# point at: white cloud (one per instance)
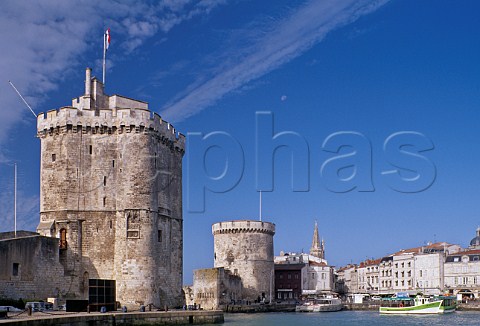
(43, 40)
(282, 41)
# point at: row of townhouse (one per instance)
(433, 269)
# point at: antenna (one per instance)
(260, 209)
(16, 90)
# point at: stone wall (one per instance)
(37, 273)
(214, 288)
(246, 249)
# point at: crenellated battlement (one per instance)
(96, 112)
(71, 119)
(243, 226)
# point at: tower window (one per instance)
(54, 157)
(91, 149)
(159, 235)
(16, 268)
(104, 181)
(113, 163)
(63, 239)
(104, 201)
(111, 224)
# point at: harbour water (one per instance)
(340, 318)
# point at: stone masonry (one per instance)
(111, 191)
(246, 249)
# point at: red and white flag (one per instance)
(107, 38)
(106, 43)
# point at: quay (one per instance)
(117, 318)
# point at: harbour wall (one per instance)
(138, 319)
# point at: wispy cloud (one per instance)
(43, 40)
(281, 42)
(28, 207)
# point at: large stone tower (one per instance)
(246, 249)
(111, 190)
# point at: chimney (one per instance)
(88, 81)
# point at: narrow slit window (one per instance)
(54, 157)
(104, 181)
(16, 267)
(113, 163)
(104, 201)
(91, 149)
(159, 235)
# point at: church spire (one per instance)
(317, 248)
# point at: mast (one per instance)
(15, 199)
(260, 208)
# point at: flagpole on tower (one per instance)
(106, 43)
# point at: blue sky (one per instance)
(375, 68)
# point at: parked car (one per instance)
(9, 309)
(36, 305)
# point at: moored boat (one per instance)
(320, 305)
(418, 305)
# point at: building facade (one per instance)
(419, 269)
(288, 281)
(462, 273)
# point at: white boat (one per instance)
(419, 305)
(320, 305)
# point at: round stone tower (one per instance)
(111, 190)
(246, 249)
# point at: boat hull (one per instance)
(428, 308)
(320, 307)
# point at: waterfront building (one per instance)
(419, 269)
(429, 273)
(385, 275)
(288, 281)
(371, 271)
(346, 281)
(111, 195)
(316, 275)
(462, 273)
(403, 276)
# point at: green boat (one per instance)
(418, 305)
